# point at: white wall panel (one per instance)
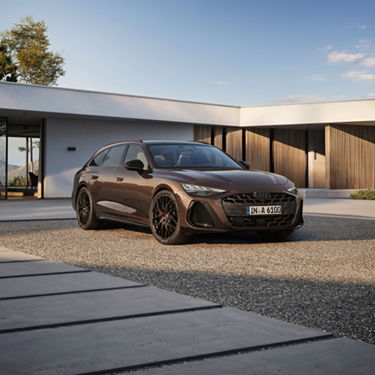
(87, 136)
(310, 113)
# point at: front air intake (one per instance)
(198, 215)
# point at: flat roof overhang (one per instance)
(48, 102)
(61, 102)
(359, 112)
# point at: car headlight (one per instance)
(292, 190)
(202, 191)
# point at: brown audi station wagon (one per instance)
(180, 188)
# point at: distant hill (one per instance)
(11, 167)
(21, 171)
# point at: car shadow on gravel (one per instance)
(340, 308)
(316, 228)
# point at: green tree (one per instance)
(8, 70)
(27, 46)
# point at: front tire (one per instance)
(165, 219)
(85, 210)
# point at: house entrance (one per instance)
(20, 156)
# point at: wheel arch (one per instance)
(160, 188)
(80, 186)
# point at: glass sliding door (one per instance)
(3, 158)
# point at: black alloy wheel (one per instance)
(85, 211)
(165, 219)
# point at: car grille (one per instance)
(235, 209)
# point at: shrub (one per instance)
(368, 194)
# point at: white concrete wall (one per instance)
(87, 136)
(310, 113)
(43, 99)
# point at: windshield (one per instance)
(190, 156)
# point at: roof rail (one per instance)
(123, 140)
(133, 140)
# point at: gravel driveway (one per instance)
(323, 277)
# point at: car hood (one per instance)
(239, 180)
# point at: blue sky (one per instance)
(229, 52)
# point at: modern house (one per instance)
(317, 145)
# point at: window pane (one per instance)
(136, 152)
(97, 161)
(22, 149)
(114, 157)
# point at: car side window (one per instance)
(114, 157)
(97, 161)
(136, 152)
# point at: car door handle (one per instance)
(94, 176)
(119, 179)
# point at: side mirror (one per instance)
(135, 165)
(245, 164)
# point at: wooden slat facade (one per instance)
(317, 158)
(257, 151)
(289, 155)
(350, 157)
(202, 133)
(218, 136)
(346, 162)
(234, 143)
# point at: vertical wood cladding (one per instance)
(202, 133)
(350, 156)
(289, 155)
(218, 136)
(257, 151)
(234, 143)
(317, 158)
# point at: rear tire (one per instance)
(275, 236)
(85, 210)
(165, 219)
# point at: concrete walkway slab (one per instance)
(16, 256)
(36, 209)
(74, 331)
(120, 344)
(55, 284)
(330, 357)
(21, 314)
(21, 269)
(342, 207)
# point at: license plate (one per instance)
(263, 210)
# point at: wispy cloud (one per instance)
(368, 62)
(325, 49)
(363, 44)
(220, 83)
(337, 56)
(356, 75)
(362, 27)
(317, 77)
(293, 99)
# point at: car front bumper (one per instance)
(228, 212)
